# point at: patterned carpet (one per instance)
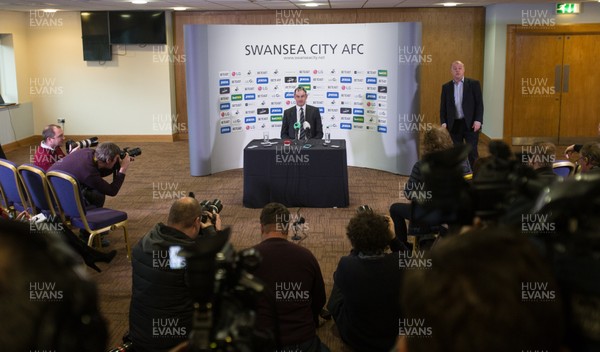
(162, 173)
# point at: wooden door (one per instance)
(552, 84)
(580, 91)
(536, 104)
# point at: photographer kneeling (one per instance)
(161, 310)
(90, 166)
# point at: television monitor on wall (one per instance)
(137, 27)
(95, 36)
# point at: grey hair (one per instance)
(107, 151)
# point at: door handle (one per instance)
(565, 85)
(557, 74)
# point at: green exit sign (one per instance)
(567, 8)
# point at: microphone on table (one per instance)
(306, 126)
(297, 128)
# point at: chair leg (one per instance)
(127, 246)
(414, 240)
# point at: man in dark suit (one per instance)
(308, 116)
(461, 109)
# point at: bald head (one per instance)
(184, 212)
(458, 70)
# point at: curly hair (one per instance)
(368, 232)
(437, 139)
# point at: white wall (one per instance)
(119, 97)
(16, 122)
(497, 18)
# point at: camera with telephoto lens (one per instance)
(133, 152)
(212, 207)
(225, 295)
(86, 143)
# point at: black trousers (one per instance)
(2, 155)
(461, 133)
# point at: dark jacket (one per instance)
(294, 285)
(311, 115)
(369, 316)
(161, 309)
(82, 165)
(472, 103)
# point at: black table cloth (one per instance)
(296, 176)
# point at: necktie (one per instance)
(302, 133)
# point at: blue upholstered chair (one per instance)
(12, 192)
(563, 168)
(37, 189)
(67, 192)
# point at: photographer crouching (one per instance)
(90, 166)
(162, 305)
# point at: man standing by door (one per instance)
(461, 109)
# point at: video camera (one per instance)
(86, 143)
(133, 152)
(501, 190)
(508, 193)
(224, 294)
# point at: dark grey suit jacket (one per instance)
(311, 114)
(472, 103)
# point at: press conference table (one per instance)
(295, 176)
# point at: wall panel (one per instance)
(448, 35)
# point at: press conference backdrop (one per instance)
(240, 79)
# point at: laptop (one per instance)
(2, 103)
